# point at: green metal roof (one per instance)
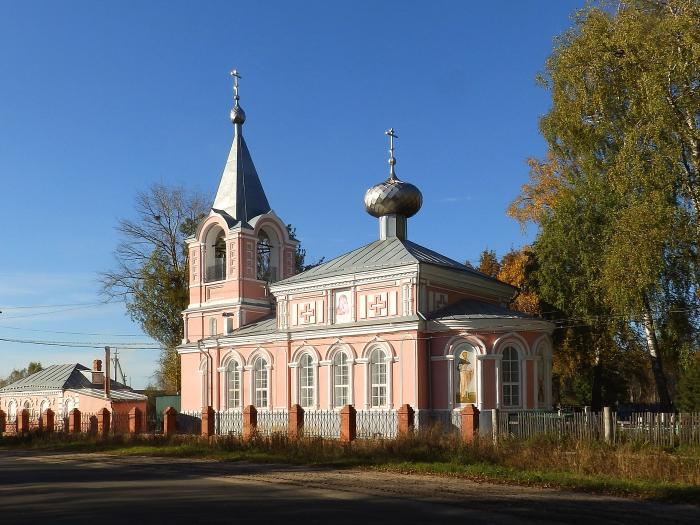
(378, 255)
(54, 377)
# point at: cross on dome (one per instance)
(392, 160)
(236, 75)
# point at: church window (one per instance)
(212, 326)
(264, 267)
(233, 384)
(510, 366)
(12, 411)
(306, 381)
(261, 386)
(341, 379)
(378, 377)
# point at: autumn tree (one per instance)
(624, 139)
(151, 269)
(17, 374)
(488, 263)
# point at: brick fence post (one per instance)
(23, 422)
(103, 420)
(469, 419)
(406, 419)
(250, 421)
(74, 421)
(348, 424)
(208, 419)
(48, 420)
(296, 422)
(3, 422)
(135, 420)
(169, 421)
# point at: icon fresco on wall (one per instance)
(342, 307)
(466, 393)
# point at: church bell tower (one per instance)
(238, 249)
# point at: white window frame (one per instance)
(260, 373)
(333, 378)
(233, 367)
(213, 326)
(384, 361)
(12, 410)
(513, 386)
(307, 393)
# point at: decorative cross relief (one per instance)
(308, 314)
(378, 306)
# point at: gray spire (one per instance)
(240, 192)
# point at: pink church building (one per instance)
(386, 324)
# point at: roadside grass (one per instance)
(631, 469)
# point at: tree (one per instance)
(623, 134)
(688, 397)
(300, 255)
(488, 263)
(17, 374)
(517, 269)
(151, 273)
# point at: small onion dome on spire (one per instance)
(237, 113)
(393, 196)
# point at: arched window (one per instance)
(68, 405)
(260, 383)
(268, 263)
(44, 406)
(306, 381)
(465, 375)
(341, 379)
(378, 378)
(28, 404)
(233, 385)
(510, 366)
(215, 255)
(12, 411)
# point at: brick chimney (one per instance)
(98, 376)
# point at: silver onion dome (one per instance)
(393, 197)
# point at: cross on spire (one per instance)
(392, 160)
(236, 75)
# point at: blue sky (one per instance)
(100, 99)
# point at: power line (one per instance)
(24, 307)
(55, 311)
(67, 333)
(84, 344)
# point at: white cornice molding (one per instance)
(492, 324)
(345, 280)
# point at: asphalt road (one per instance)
(102, 489)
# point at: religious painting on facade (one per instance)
(466, 377)
(342, 307)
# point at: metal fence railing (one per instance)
(272, 422)
(228, 423)
(322, 423)
(444, 420)
(524, 424)
(377, 424)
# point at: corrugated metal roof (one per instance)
(378, 255)
(264, 326)
(72, 376)
(473, 309)
(114, 395)
(53, 377)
